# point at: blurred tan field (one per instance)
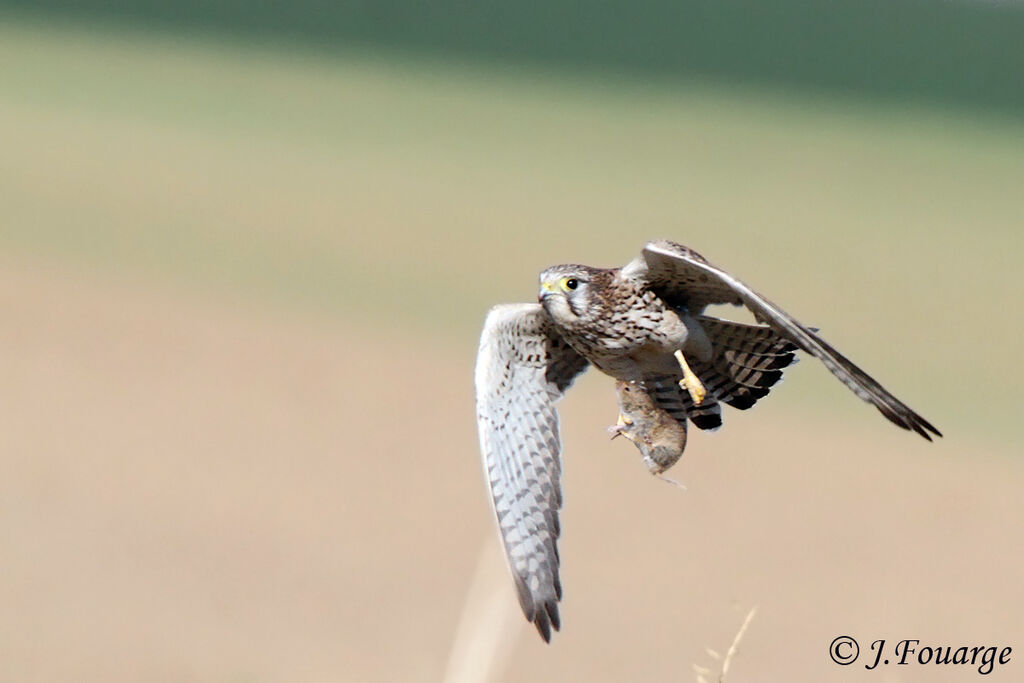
(241, 289)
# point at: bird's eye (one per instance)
(571, 283)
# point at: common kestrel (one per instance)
(642, 324)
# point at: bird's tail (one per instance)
(747, 361)
(674, 400)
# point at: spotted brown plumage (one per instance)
(628, 322)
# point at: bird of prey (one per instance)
(642, 324)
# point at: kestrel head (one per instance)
(569, 292)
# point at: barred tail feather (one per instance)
(675, 400)
(748, 361)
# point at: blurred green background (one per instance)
(965, 53)
(369, 159)
(379, 174)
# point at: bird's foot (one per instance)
(690, 381)
(619, 428)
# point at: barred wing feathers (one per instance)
(683, 277)
(523, 368)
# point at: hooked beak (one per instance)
(546, 290)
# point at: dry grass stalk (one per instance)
(704, 672)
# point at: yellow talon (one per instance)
(690, 382)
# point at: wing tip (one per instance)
(546, 618)
(923, 426)
(541, 610)
(911, 421)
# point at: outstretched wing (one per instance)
(683, 277)
(522, 369)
